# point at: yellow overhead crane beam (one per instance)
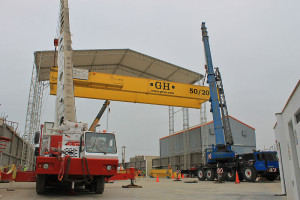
(94, 85)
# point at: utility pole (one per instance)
(123, 156)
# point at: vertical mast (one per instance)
(65, 101)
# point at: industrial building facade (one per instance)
(175, 149)
(287, 132)
(143, 163)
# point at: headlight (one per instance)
(46, 166)
(108, 167)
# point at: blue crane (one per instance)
(221, 151)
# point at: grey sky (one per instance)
(255, 43)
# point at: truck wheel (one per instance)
(249, 174)
(221, 176)
(40, 183)
(230, 176)
(210, 174)
(201, 174)
(99, 185)
(271, 177)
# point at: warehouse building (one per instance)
(185, 149)
(143, 163)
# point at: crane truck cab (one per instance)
(76, 157)
(259, 164)
(98, 145)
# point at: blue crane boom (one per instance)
(221, 151)
(211, 80)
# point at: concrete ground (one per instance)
(165, 189)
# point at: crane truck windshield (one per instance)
(100, 143)
(268, 156)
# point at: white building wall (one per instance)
(287, 133)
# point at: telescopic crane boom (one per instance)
(97, 119)
(222, 149)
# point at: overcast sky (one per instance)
(255, 43)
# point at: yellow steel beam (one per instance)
(137, 90)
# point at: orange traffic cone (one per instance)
(172, 176)
(237, 180)
(157, 179)
(182, 176)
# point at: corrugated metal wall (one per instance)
(201, 138)
(12, 154)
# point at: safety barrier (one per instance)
(161, 173)
(8, 173)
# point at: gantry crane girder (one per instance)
(94, 85)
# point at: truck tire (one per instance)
(221, 177)
(271, 177)
(230, 176)
(37, 137)
(99, 184)
(210, 174)
(201, 174)
(249, 174)
(40, 183)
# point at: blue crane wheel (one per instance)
(230, 176)
(210, 174)
(249, 174)
(201, 174)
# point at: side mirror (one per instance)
(36, 151)
(37, 137)
(81, 146)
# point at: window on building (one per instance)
(244, 133)
(297, 115)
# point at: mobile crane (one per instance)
(69, 153)
(222, 149)
(221, 161)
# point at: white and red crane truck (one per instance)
(75, 156)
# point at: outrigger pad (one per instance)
(131, 185)
(193, 181)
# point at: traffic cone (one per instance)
(182, 176)
(237, 180)
(157, 179)
(173, 176)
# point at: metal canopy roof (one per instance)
(118, 61)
